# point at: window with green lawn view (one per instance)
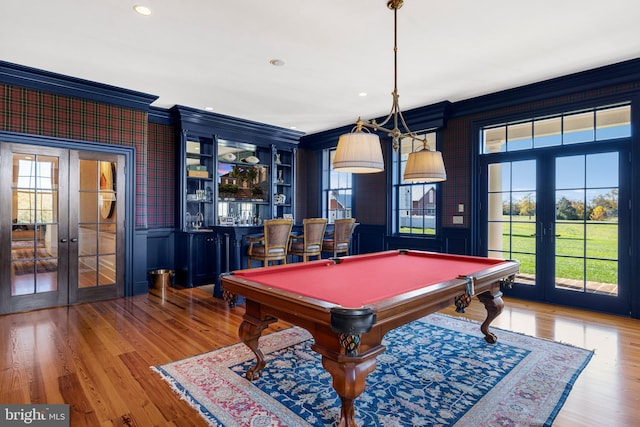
(415, 204)
(336, 190)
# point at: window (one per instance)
(336, 190)
(415, 206)
(593, 125)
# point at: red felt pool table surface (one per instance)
(366, 279)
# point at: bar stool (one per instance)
(273, 245)
(340, 241)
(309, 244)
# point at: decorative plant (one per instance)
(257, 192)
(246, 174)
(227, 188)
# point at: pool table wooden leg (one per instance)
(250, 331)
(349, 382)
(493, 304)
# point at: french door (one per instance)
(564, 215)
(60, 227)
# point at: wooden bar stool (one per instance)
(340, 241)
(309, 244)
(273, 245)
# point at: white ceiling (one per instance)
(216, 53)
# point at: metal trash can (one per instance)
(161, 279)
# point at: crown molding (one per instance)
(31, 78)
(234, 128)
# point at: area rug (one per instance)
(436, 371)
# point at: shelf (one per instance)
(190, 155)
(230, 199)
(199, 201)
(243, 164)
(197, 178)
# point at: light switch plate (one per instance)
(458, 219)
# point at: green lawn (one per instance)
(597, 241)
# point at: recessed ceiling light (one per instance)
(208, 108)
(362, 94)
(277, 62)
(142, 10)
(293, 128)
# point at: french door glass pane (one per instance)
(512, 215)
(97, 228)
(586, 225)
(34, 235)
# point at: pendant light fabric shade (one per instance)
(359, 152)
(425, 166)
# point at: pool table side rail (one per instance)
(281, 303)
(390, 313)
(396, 311)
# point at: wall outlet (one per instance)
(458, 219)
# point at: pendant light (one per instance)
(360, 152)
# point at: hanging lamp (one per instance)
(360, 151)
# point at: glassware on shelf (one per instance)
(280, 178)
(198, 221)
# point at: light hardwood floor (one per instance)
(96, 356)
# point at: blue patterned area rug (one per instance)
(437, 371)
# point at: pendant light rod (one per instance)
(395, 113)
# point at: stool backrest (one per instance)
(276, 234)
(313, 229)
(343, 229)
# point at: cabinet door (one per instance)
(195, 193)
(284, 183)
(202, 260)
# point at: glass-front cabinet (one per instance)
(199, 174)
(283, 183)
(232, 174)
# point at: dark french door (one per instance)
(60, 226)
(564, 214)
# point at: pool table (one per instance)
(348, 304)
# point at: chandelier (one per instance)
(360, 152)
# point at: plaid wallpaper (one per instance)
(161, 176)
(370, 202)
(34, 112)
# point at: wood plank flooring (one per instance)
(96, 356)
